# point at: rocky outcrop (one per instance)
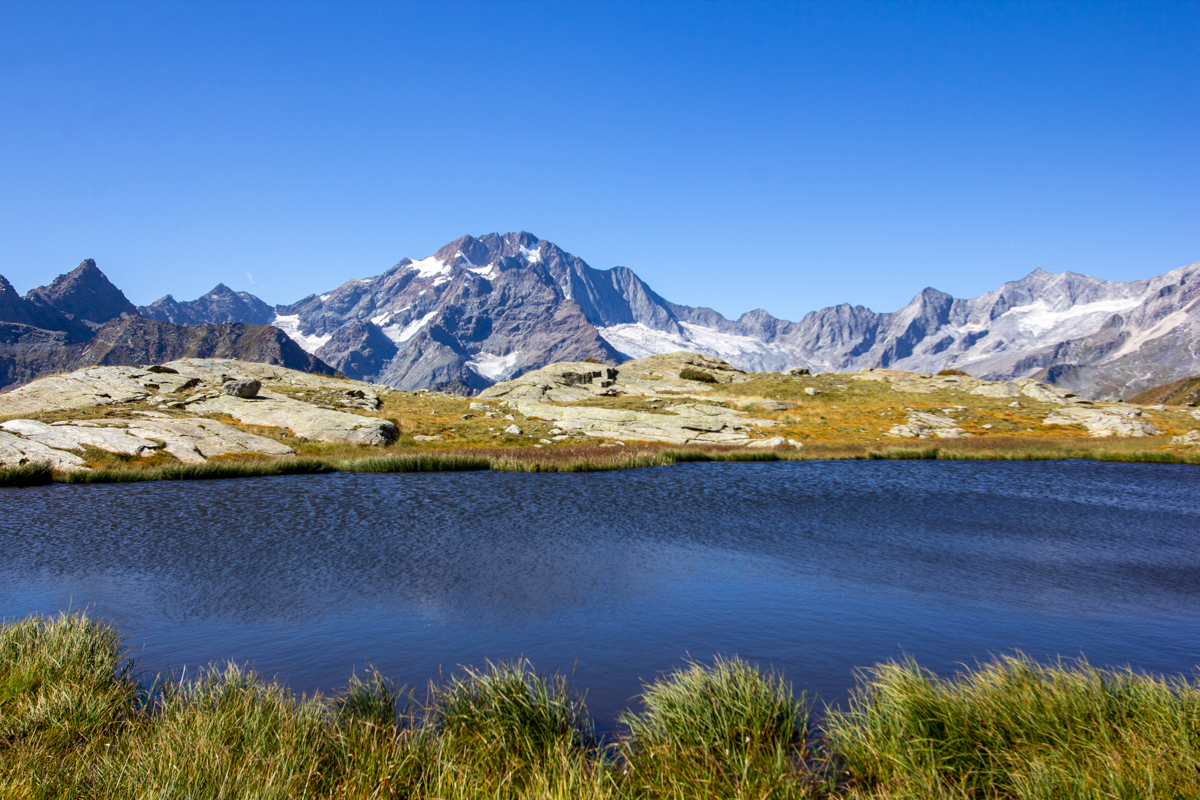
(645, 377)
(1112, 420)
(923, 425)
(196, 386)
(541, 393)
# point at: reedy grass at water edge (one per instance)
(591, 459)
(75, 724)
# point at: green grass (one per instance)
(209, 470)
(1016, 729)
(74, 723)
(419, 462)
(592, 458)
(35, 474)
(728, 730)
(699, 375)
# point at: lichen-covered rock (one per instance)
(1189, 438)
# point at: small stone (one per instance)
(479, 407)
(988, 427)
(244, 388)
(555, 431)
(545, 441)
(509, 417)
(513, 429)
(811, 391)
(1015, 404)
(424, 438)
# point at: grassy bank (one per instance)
(75, 722)
(593, 458)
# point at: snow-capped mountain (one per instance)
(482, 310)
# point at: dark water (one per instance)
(816, 568)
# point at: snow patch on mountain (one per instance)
(494, 367)
(1039, 317)
(532, 256)
(430, 267)
(400, 334)
(638, 340)
(290, 324)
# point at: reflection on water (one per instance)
(615, 577)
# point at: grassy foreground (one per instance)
(76, 723)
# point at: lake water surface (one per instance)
(816, 568)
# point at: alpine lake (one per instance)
(815, 568)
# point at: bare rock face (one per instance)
(84, 294)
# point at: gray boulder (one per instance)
(242, 387)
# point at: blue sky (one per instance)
(735, 155)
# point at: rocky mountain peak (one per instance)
(84, 294)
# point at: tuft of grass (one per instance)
(209, 470)
(500, 727)
(420, 462)
(689, 374)
(728, 730)
(1015, 729)
(904, 454)
(65, 692)
(35, 474)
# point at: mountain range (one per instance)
(487, 309)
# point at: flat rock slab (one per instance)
(17, 450)
(195, 440)
(693, 423)
(75, 437)
(302, 419)
(188, 440)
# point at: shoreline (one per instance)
(600, 458)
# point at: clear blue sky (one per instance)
(735, 155)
